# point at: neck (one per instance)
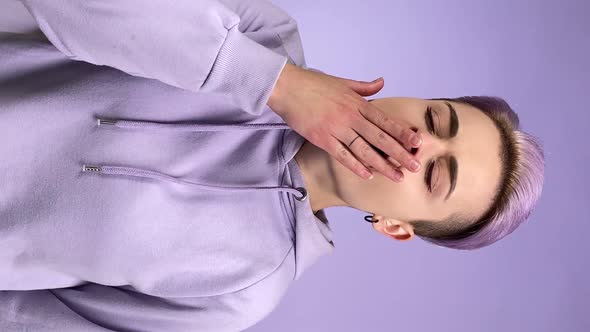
(319, 181)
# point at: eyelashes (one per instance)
(429, 171)
(429, 119)
(430, 168)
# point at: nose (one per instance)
(431, 146)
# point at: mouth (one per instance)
(381, 153)
(385, 156)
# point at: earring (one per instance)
(367, 217)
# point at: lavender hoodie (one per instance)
(145, 183)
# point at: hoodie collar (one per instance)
(313, 233)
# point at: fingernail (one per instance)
(416, 140)
(379, 79)
(398, 175)
(414, 165)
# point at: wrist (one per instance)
(276, 96)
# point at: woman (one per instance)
(482, 178)
(150, 191)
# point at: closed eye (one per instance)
(428, 118)
(428, 173)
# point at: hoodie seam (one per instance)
(290, 217)
(280, 177)
(273, 271)
(261, 279)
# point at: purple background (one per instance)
(534, 54)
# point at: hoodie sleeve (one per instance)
(98, 308)
(197, 45)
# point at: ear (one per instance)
(393, 228)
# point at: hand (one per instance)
(330, 113)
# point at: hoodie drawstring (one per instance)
(139, 172)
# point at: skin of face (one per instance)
(476, 147)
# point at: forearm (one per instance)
(193, 45)
(280, 88)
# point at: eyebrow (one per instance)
(453, 168)
(454, 119)
(452, 161)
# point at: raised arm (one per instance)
(198, 45)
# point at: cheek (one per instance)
(408, 192)
(404, 200)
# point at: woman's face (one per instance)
(474, 149)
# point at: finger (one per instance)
(369, 156)
(405, 143)
(363, 88)
(376, 130)
(401, 132)
(394, 149)
(407, 136)
(341, 153)
(393, 161)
